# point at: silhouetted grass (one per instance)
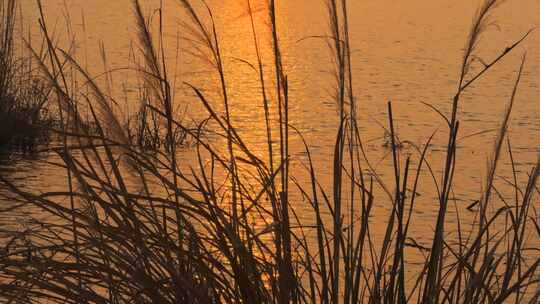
(206, 233)
(23, 95)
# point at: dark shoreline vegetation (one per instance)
(212, 235)
(23, 96)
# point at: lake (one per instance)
(407, 52)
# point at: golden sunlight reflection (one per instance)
(412, 60)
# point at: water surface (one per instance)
(407, 52)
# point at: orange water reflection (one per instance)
(406, 52)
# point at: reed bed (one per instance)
(206, 233)
(23, 96)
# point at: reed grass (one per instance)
(208, 234)
(23, 96)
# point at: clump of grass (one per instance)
(23, 96)
(206, 233)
